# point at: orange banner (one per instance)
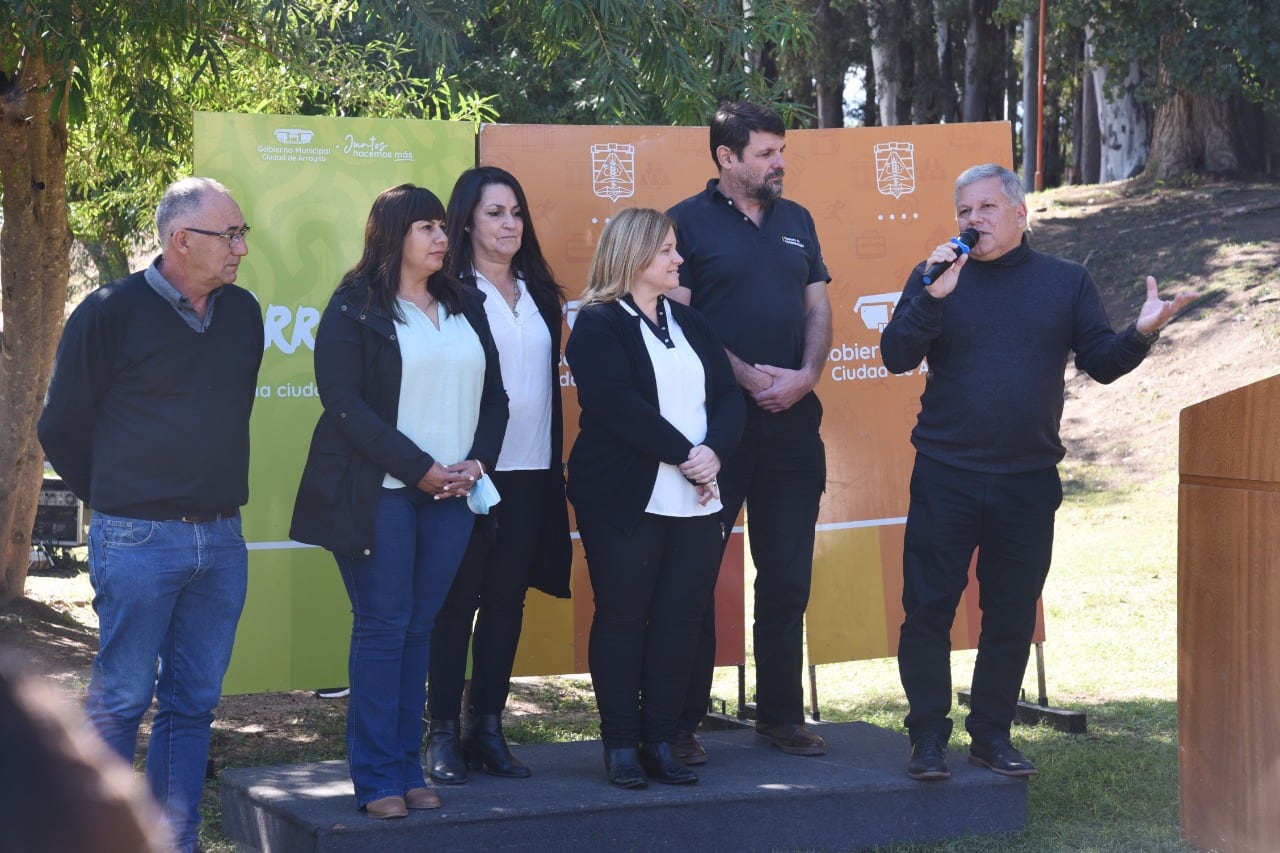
(882, 199)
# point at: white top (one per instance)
(441, 380)
(524, 350)
(682, 401)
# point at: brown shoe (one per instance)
(421, 798)
(689, 748)
(791, 738)
(385, 808)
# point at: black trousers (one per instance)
(1009, 519)
(779, 471)
(651, 584)
(489, 590)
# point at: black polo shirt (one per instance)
(748, 281)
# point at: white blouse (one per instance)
(524, 350)
(682, 401)
(441, 381)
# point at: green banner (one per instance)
(305, 185)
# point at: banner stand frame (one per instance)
(1062, 719)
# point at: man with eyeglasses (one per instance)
(147, 421)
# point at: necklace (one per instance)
(515, 303)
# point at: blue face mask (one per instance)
(484, 494)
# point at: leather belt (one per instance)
(204, 517)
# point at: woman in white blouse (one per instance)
(660, 409)
(414, 414)
(524, 541)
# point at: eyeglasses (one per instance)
(232, 237)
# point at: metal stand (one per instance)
(813, 692)
(719, 719)
(1072, 722)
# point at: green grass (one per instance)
(1110, 652)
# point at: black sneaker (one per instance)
(999, 756)
(929, 759)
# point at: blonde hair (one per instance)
(629, 243)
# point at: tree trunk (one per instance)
(1053, 167)
(36, 245)
(1123, 126)
(109, 256)
(829, 72)
(871, 107)
(887, 35)
(830, 105)
(1011, 75)
(1089, 134)
(1030, 98)
(1199, 133)
(928, 94)
(981, 44)
(947, 79)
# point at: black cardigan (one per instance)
(553, 568)
(622, 435)
(356, 443)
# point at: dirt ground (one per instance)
(1221, 239)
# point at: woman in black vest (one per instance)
(524, 542)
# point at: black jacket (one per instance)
(356, 443)
(622, 435)
(552, 570)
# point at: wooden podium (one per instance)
(1229, 620)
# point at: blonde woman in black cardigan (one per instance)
(660, 409)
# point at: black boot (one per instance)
(446, 762)
(486, 747)
(622, 767)
(660, 762)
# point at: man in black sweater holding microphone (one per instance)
(996, 324)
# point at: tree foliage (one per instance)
(317, 61)
(603, 61)
(96, 101)
(1202, 47)
(1207, 69)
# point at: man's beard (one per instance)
(769, 189)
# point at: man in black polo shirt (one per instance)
(147, 421)
(753, 267)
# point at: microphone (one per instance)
(967, 239)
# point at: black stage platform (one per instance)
(749, 797)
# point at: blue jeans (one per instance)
(395, 594)
(168, 595)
